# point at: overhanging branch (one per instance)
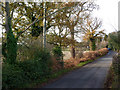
(37, 20)
(2, 24)
(17, 19)
(13, 10)
(1, 13)
(2, 6)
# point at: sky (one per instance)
(108, 13)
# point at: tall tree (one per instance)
(11, 39)
(91, 32)
(10, 52)
(59, 32)
(72, 17)
(75, 16)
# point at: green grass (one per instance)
(84, 63)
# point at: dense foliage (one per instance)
(57, 52)
(25, 61)
(90, 55)
(24, 72)
(113, 78)
(114, 40)
(116, 71)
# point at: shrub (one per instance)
(57, 52)
(116, 64)
(55, 65)
(27, 71)
(38, 67)
(79, 54)
(113, 78)
(103, 51)
(70, 63)
(83, 59)
(12, 76)
(27, 51)
(90, 55)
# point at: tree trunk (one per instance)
(92, 45)
(73, 52)
(11, 48)
(72, 44)
(11, 44)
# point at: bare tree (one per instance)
(75, 16)
(91, 32)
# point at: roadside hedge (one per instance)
(90, 55)
(25, 72)
(113, 77)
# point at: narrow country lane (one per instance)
(89, 76)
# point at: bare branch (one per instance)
(2, 24)
(37, 20)
(97, 25)
(77, 18)
(2, 14)
(12, 13)
(13, 10)
(17, 20)
(114, 28)
(2, 6)
(52, 43)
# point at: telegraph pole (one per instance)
(44, 25)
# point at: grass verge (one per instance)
(84, 63)
(112, 80)
(109, 78)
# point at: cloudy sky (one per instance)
(108, 13)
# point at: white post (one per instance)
(44, 25)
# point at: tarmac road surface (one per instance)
(92, 75)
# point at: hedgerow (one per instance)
(24, 72)
(91, 55)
